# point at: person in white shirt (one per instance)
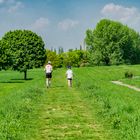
(69, 74)
(48, 69)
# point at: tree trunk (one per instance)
(25, 75)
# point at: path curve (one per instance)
(126, 85)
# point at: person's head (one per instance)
(69, 67)
(49, 62)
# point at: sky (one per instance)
(63, 23)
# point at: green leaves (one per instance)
(25, 49)
(74, 58)
(113, 43)
(5, 57)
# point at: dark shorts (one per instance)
(48, 75)
(69, 78)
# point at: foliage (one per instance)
(5, 58)
(128, 74)
(56, 60)
(89, 39)
(113, 43)
(74, 58)
(26, 49)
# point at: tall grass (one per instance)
(117, 107)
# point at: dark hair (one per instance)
(69, 67)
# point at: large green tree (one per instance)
(89, 39)
(113, 43)
(26, 50)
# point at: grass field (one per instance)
(19, 103)
(93, 109)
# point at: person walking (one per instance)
(69, 75)
(48, 70)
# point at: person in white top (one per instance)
(69, 74)
(48, 70)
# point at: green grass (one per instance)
(65, 116)
(93, 109)
(117, 107)
(18, 104)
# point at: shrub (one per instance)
(128, 74)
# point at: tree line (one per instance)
(110, 43)
(75, 58)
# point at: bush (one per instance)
(128, 74)
(84, 64)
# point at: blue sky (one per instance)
(63, 23)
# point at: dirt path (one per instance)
(126, 85)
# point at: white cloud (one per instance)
(67, 24)
(15, 7)
(40, 24)
(127, 15)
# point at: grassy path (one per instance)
(65, 116)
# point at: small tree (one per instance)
(74, 58)
(54, 58)
(26, 50)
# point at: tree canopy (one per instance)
(5, 58)
(74, 58)
(25, 49)
(113, 43)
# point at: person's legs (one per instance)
(47, 82)
(48, 79)
(69, 82)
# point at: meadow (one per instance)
(19, 102)
(93, 109)
(116, 107)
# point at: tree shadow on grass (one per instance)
(21, 79)
(18, 80)
(11, 82)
